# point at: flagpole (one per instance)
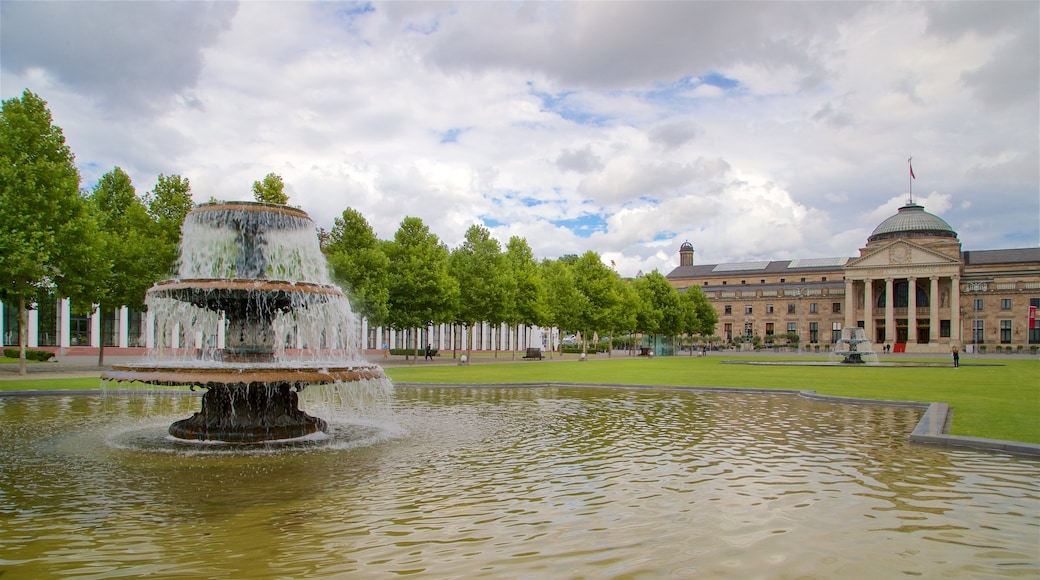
(910, 163)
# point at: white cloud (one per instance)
(753, 130)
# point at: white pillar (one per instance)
(868, 309)
(364, 334)
(65, 323)
(95, 327)
(955, 309)
(890, 311)
(1, 324)
(149, 330)
(850, 303)
(124, 327)
(911, 311)
(33, 328)
(933, 311)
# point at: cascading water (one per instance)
(854, 347)
(253, 318)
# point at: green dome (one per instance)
(912, 221)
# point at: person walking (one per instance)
(429, 352)
(956, 357)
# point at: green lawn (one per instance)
(997, 402)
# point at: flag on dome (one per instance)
(910, 161)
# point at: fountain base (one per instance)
(248, 413)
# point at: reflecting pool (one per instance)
(484, 482)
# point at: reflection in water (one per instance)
(512, 482)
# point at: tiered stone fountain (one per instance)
(854, 347)
(252, 318)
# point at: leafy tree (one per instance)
(126, 248)
(528, 303)
(47, 233)
(168, 202)
(270, 190)
(564, 303)
(662, 311)
(597, 283)
(623, 318)
(485, 288)
(704, 318)
(359, 264)
(421, 290)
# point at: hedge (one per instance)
(30, 354)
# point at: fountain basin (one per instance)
(242, 374)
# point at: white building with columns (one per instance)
(912, 288)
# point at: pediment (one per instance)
(901, 253)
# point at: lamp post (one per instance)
(975, 288)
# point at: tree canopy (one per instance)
(270, 190)
(359, 265)
(47, 233)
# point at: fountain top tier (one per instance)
(250, 241)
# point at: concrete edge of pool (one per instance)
(932, 429)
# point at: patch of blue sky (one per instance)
(583, 226)
(562, 105)
(348, 13)
(664, 236)
(685, 87)
(451, 135)
(490, 222)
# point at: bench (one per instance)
(534, 353)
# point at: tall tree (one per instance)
(168, 202)
(704, 317)
(623, 317)
(270, 190)
(359, 264)
(126, 249)
(421, 291)
(46, 230)
(662, 311)
(528, 303)
(596, 282)
(564, 303)
(479, 268)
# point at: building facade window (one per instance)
(944, 329)
(1005, 304)
(835, 332)
(814, 332)
(769, 329)
(978, 304)
(813, 308)
(792, 327)
(728, 309)
(791, 308)
(1034, 321)
(978, 328)
(836, 307)
(747, 309)
(728, 331)
(1005, 332)
(769, 308)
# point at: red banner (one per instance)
(1033, 322)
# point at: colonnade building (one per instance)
(912, 288)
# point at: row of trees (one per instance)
(107, 246)
(414, 280)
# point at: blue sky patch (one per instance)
(583, 226)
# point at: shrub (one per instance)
(411, 351)
(30, 354)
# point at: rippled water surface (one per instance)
(512, 483)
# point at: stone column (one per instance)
(890, 311)
(955, 309)
(911, 310)
(933, 311)
(124, 327)
(850, 303)
(868, 309)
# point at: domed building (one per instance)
(912, 288)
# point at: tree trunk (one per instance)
(23, 334)
(101, 345)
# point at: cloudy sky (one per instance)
(754, 130)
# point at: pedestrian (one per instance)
(429, 352)
(386, 350)
(956, 357)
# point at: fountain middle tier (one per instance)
(209, 374)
